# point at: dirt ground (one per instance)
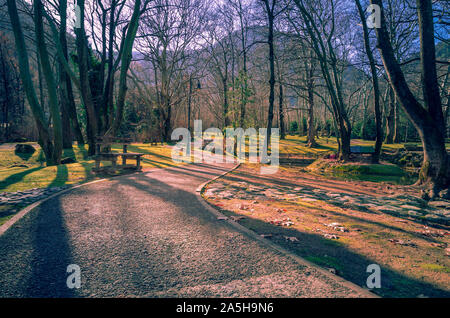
(345, 225)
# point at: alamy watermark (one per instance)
(374, 279)
(374, 19)
(235, 139)
(74, 279)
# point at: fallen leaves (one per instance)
(329, 236)
(237, 218)
(440, 245)
(430, 233)
(403, 243)
(337, 227)
(283, 222)
(291, 239)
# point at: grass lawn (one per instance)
(383, 172)
(296, 145)
(26, 172)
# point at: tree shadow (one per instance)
(62, 175)
(83, 151)
(36, 254)
(333, 187)
(17, 177)
(51, 253)
(23, 156)
(350, 265)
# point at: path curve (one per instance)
(148, 235)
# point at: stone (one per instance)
(308, 199)
(410, 207)
(67, 160)
(414, 213)
(331, 236)
(332, 271)
(440, 204)
(24, 148)
(445, 194)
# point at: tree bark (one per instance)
(428, 121)
(49, 80)
(311, 134)
(270, 18)
(42, 126)
(376, 86)
(281, 113)
(390, 119)
(127, 55)
(63, 94)
(85, 88)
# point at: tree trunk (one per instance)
(42, 126)
(127, 55)
(270, 17)
(226, 120)
(376, 86)
(281, 114)
(62, 88)
(390, 119)
(244, 88)
(188, 124)
(311, 141)
(428, 121)
(49, 80)
(85, 88)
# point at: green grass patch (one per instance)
(435, 268)
(37, 175)
(325, 261)
(363, 172)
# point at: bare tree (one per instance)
(375, 83)
(52, 148)
(427, 118)
(320, 22)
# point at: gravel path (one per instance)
(147, 235)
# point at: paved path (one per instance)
(147, 235)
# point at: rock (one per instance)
(424, 195)
(403, 243)
(414, 213)
(444, 194)
(440, 204)
(410, 207)
(67, 160)
(308, 199)
(332, 271)
(243, 207)
(337, 227)
(19, 166)
(439, 245)
(237, 218)
(24, 148)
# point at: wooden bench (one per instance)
(103, 153)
